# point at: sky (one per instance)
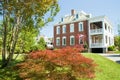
(109, 8)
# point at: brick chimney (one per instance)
(72, 12)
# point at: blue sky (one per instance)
(110, 8)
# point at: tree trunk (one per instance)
(4, 45)
(7, 60)
(4, 38)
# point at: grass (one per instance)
(117, 52)
(106, 69)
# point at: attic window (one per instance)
(62, 19)
(77, 16)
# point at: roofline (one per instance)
(103, 16)
(63, 23)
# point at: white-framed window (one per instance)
(80, 40)
(105, 26)
(72, 40)
(58, 30)
(71, 27)
(64, 41)
(58, 41)
(62, 19)
(81, 26)
(64, 29)
(77, 16)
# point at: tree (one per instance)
(41, 44)
(117, 42)
(26, 40)
(19, 15)
(61, 64)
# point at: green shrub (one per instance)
(111, 48)
(41, 44)
(61, 64)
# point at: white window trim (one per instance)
(70, 40)
(58, 42)
(80, 27)
(63, 29)
(57, 30)
(71, 27)
(63, 41)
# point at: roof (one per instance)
(78, 16)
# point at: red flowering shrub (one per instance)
(61, 64)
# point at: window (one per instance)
(81, 26)
(71, 27)
(106, 39)
(105, 26)
(62, 19)
(77, 16)
(109, 28)
(58, 41)
(58, 30)
(64, 41)
(80, 40)
(72, 40)
(109, 41)
(64, 29)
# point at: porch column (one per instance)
(103, 26)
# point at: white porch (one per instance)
(96, 41)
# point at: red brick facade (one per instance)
(68, 34)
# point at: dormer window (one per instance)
(62, 19)
(77, 16)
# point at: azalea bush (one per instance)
(61, 64)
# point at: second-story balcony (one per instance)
(96, 31)
(96, 28)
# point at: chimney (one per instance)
(72, 12)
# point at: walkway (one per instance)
(113, 57)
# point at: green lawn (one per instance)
(117, 52)
(106, 69)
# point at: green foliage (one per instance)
(117, 42)
(9, 73)
(41, 44)
(0, 45)
(111, 48)
(22, 19)
(26, 41)
(61, 64)
(85, 47)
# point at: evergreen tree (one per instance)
(41, 44)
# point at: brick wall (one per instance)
(68, 34)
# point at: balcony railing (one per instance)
(96, 44)
(95, 31)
